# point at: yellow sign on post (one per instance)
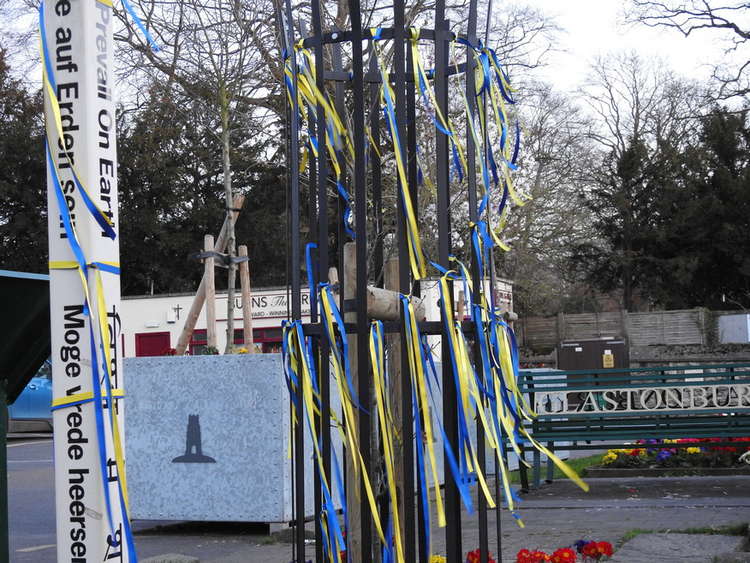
(608, 359)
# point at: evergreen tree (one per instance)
(673, 223)
(23, 187)
(171, 195)
(622, 204)
(717, 219)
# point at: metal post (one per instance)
(450, 416)
(478, 283)
(296, 297)
(4, 549)
(319, 199)
(360, 200)
(406, 119)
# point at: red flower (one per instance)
(526, 556)
(475, 557)
(590, 550)
(604, 548)
(564, 555)
(635, 452)
(523, 556)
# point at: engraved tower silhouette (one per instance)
(193, 441)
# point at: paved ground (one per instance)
(685, 548)
(555, 515)
(31, 503)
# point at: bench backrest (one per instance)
(664, 402)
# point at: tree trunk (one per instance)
(229, 198)
(393, 342)
(353, 497)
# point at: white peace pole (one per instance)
(79, 58)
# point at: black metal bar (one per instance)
(498, 511)
(296, 297)
(522, 470)
(337, 63)
(360, 199)
(425, 327)
(376, 176)
(450, 417)
(320, 345)
(407, 415)
(4, 516)
(313, 221)
(407, 119)
(411, 171)
(312, 218)
(478, 283)
(399, 79)
(411, 143)
(376, 186)
(386, 33)
(374, 77)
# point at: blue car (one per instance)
(31, 410)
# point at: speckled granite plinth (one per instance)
(207, 438)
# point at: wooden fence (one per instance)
(688, 326)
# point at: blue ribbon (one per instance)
(461, 484)
(517, 147)
(154, 46)
(90, 205)
(343, 352)
(45, 50)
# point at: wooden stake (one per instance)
(393, 345)
(247, 302)
(382, 304)
(333, 275)
(200, 294)
(460, 306)
(208, 275)
(353, 500)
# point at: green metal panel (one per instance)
(635, 425)
(25, 331)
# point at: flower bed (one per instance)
(687, 453)
(589, 551)
(683, 457)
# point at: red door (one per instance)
(152, 344)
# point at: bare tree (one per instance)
(220, 53)
(688, 17)
(557, 152)
(643, 115)
(632, 98)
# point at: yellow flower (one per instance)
(241, 351)
(670, 441)
(693, 450)
(438, 559)
(609, 457)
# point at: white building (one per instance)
(151, 324)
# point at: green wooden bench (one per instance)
(619, 406)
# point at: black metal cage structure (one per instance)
(343, 110)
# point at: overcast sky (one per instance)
(595, 27)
